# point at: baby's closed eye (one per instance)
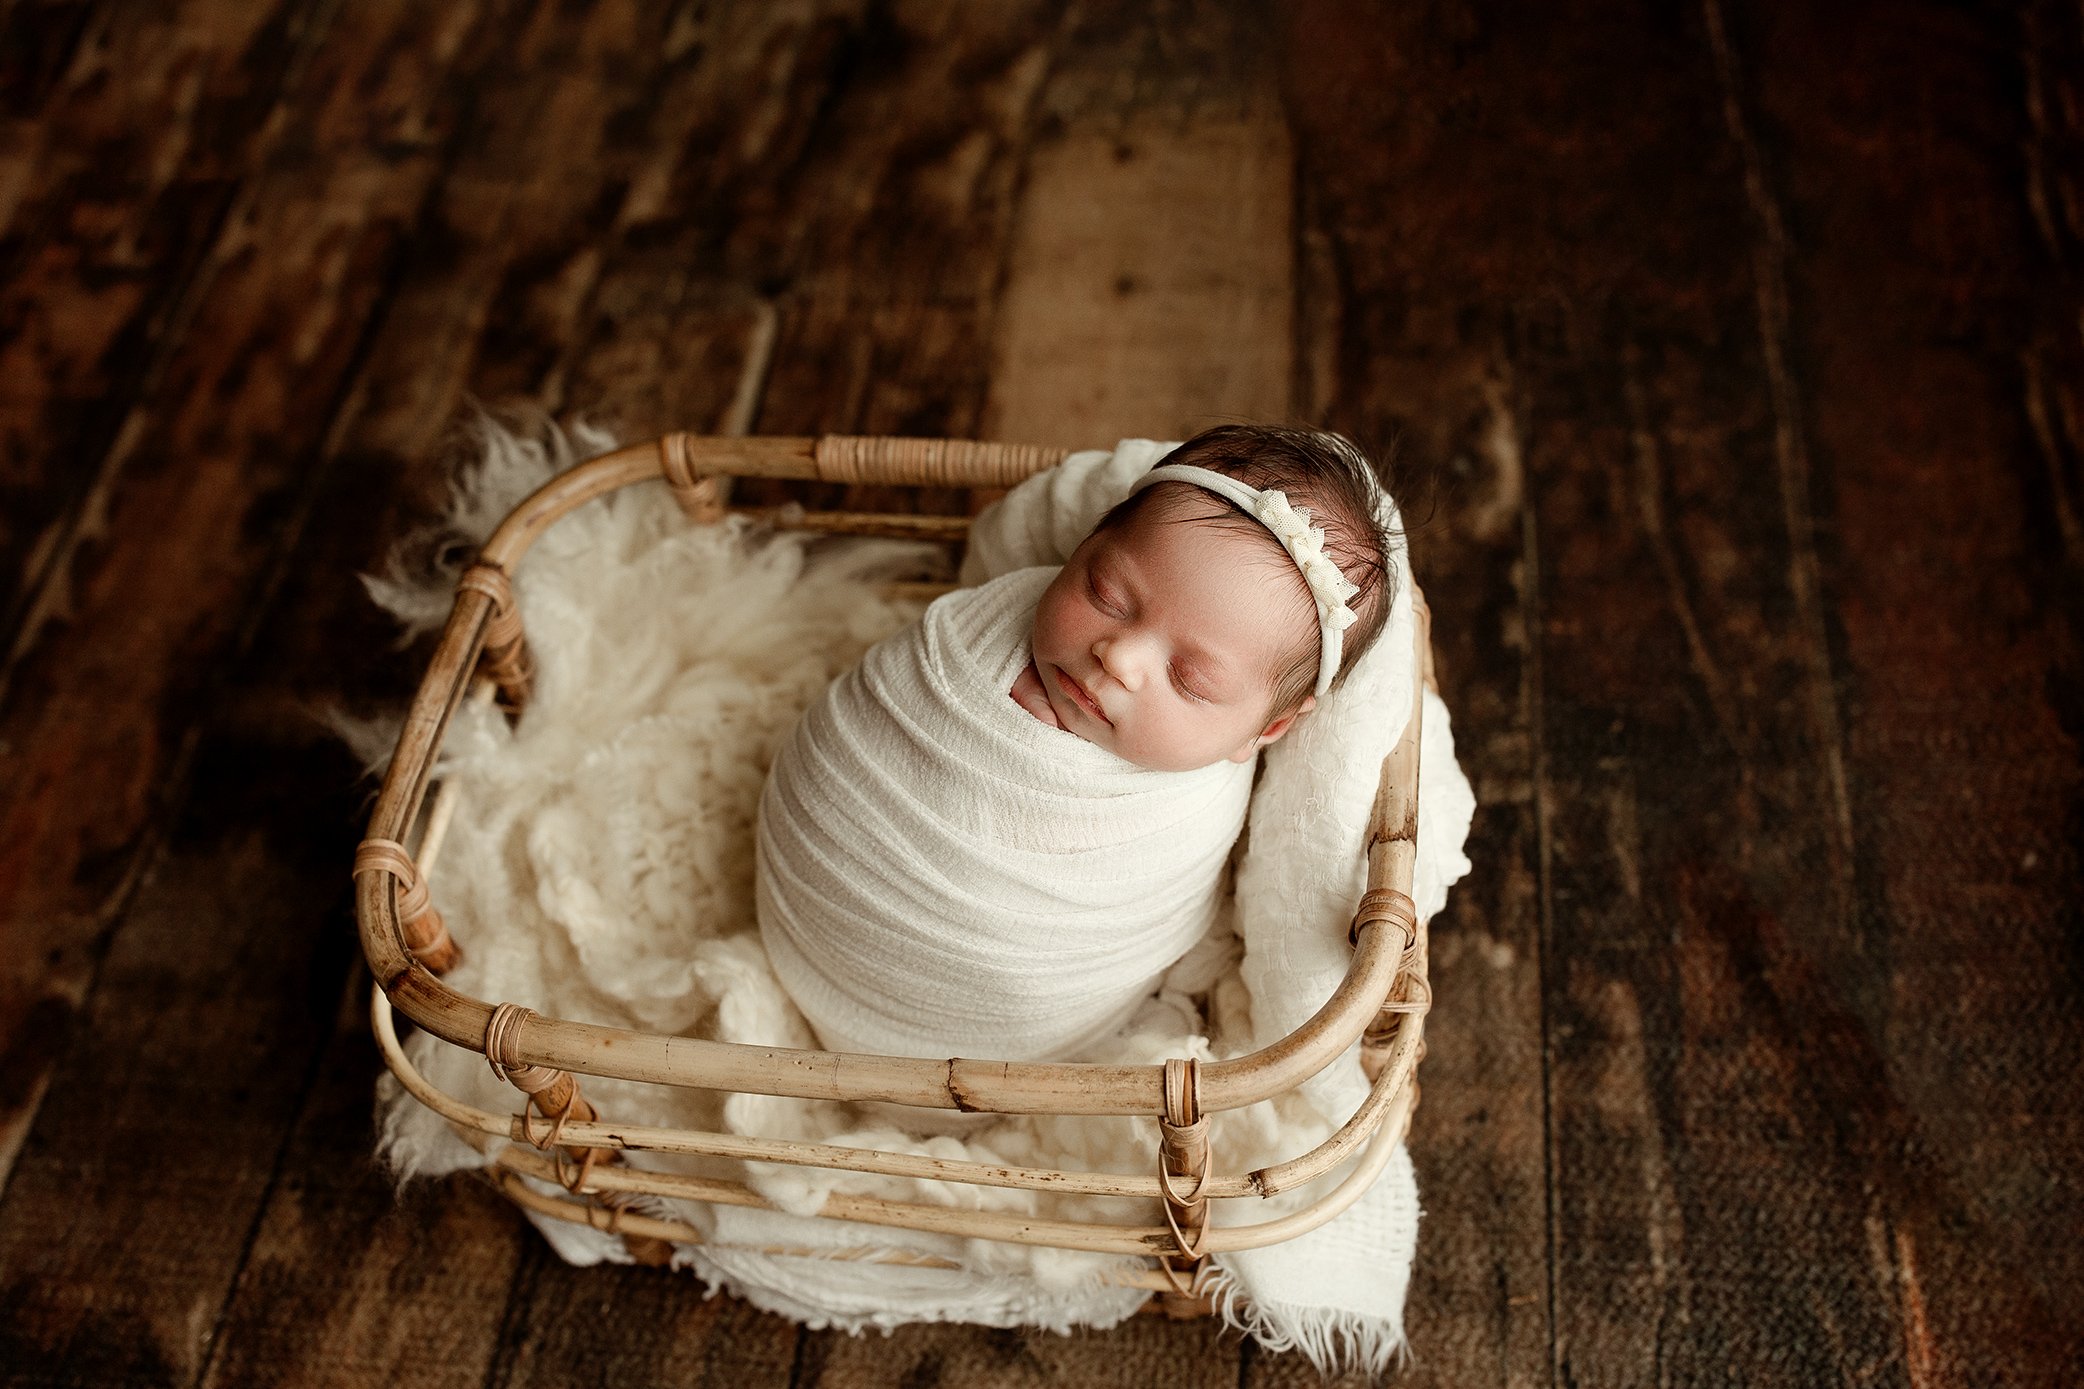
(1103, 599)
(1190, 685)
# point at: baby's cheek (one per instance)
(1047, 637)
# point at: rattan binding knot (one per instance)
(701, 497)
(1410, 997)
(1419, 991)
(506, 657)
(426, 934)
(503, 1042)
(1385, 904)
(1183, 1153)
(549, 1093)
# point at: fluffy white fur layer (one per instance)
(600, 867)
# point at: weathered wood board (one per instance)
(1730, 360)
(201, 488)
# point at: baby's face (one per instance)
(1161, 640)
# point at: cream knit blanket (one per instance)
(942, 874)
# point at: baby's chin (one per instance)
(1162, 761)
(1200, 766)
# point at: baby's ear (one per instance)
(1273, 731)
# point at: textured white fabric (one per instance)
(600, 867)
(940, 873)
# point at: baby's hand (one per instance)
(1027, 693)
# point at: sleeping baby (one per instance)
(994, 834)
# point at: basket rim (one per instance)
(1382, 956)
(1364, 1146)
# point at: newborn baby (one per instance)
(995, 834)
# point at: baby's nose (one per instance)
(1123, 658)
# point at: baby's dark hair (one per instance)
(1325, 473)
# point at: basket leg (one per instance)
(1177, 1306)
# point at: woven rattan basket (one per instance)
(559, 1138)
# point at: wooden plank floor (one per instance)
(1731, 356)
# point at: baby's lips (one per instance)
(1085, 698)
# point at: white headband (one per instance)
(1303, 542)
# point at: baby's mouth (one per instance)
(1083, 700)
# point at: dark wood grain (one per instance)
(38, 39)
(129, 139)
(1141, 1351)
(349, 1280)
(214, 998)
(181, 1077)
(1149, 290)
(881, 234)
(1942, 382)
(1703, 967)
(1686, 752)
(883, 240)
(614, 1325)
(533, 210)
(206, 476)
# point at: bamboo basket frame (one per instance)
(557, 1137)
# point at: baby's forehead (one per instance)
(1218, 540)
(1220, 577)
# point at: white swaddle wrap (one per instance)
(941, 873)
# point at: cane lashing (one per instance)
(1183, 1165)
(1385, 904)
(928, 462)
(1380, 1039)
(551, 1094)
(555, 1094)
(506, 656)
(701, 497)
(426, 934)
(1410, 997)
